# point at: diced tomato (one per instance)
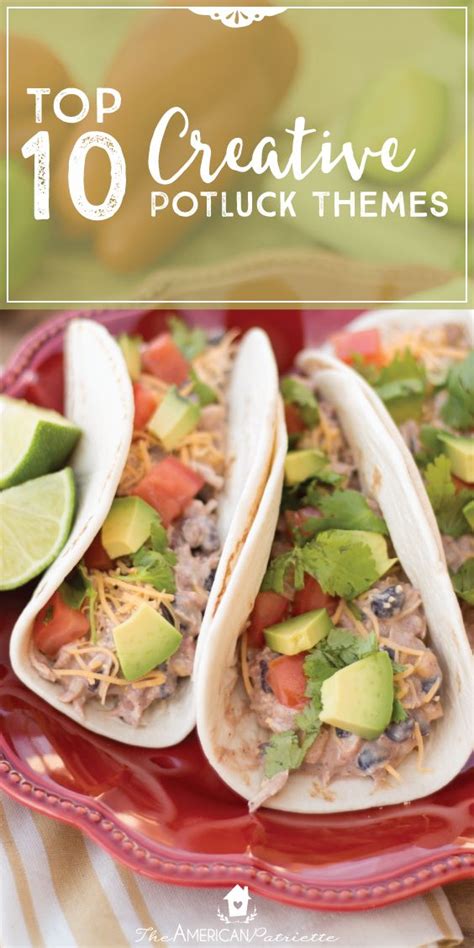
(312, 597)
(294, 421)
(96, 557)
(169, 487)
(57, 625)
(163, 359)
(269, 609)
(459, 484)
(366, 343)
(287, 680)
(145, 404)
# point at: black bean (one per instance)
(165, 612)
(427, 683)
(370, 756)
(209, 580)
(400, 730)
(341, 733)
(386, 602)
(390, 651)
(263, 666)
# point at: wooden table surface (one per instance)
(13, 325)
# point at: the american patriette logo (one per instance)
(237, 906)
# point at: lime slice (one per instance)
(34, 441)
(35, 522)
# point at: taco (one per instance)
(338, 675)
(420, 365)
(110, 635)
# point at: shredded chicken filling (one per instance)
(399, 623)
(88, 669)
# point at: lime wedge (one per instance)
(34, 441)
(35, 522)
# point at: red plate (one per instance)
(165, 813)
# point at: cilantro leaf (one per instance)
(75, 590)
(402, 388)
(463, 581)
(205, 394)
(283, 752)
(158, 536)
(341, 566)
(458, 410)
(340, 647)
(447, 504)
(402, 385)
(404, 366)
(398, 712)
(308, 493)
(439, 484)
(297, 393)
(451, 518)
(283, 569)
(346, 510)
(368, 370)
(154, 568)
(308, 720)
(429, 437)
(154, 562)
(342, 561)
(190, 340)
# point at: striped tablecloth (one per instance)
(59, 890)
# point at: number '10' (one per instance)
(38, 147)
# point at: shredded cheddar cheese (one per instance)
(203, 446)
(360, 627)
(401, 648)
(404, 674)
(339, 611)
(391, 770)
(431, 693)
(213, 364)
(157, 679)
(138, 464)
(375, 624)
(402, 691)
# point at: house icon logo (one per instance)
(237, 906)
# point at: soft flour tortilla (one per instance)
(229, 731)
(393, 323)
(99, 400)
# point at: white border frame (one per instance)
(241, 301)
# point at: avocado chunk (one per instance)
(468, 512)
(127, 526)
(131, 351)
(460, 451)
(174, 418)
(299, 633)
(144, 641)
(359, 697)
(300, 465)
